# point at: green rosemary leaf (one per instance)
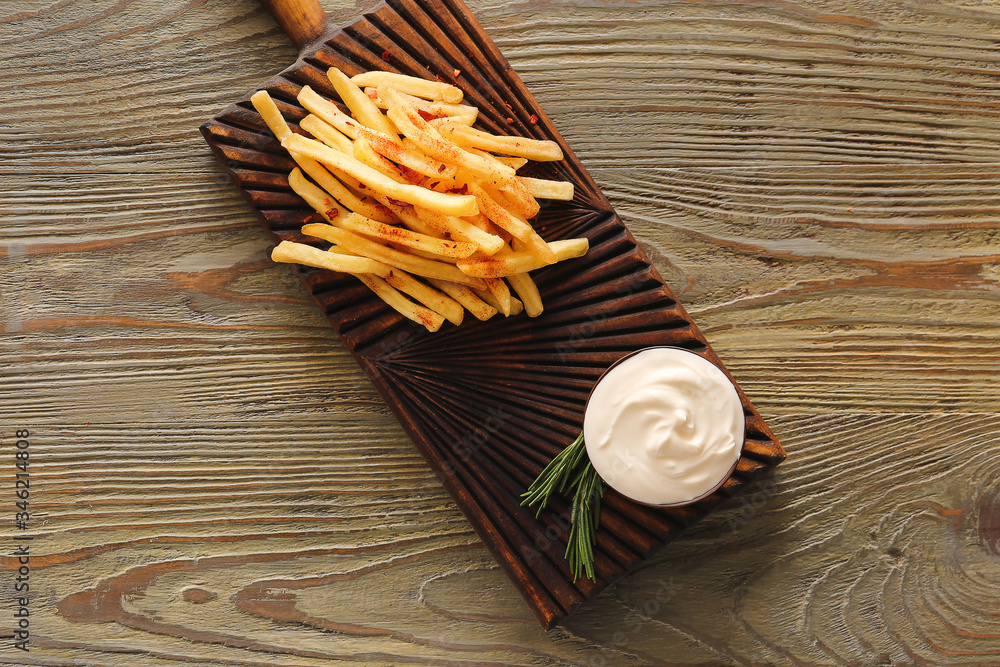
(571, 473)
(583, 522)
(555, 476)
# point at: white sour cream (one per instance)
(664, 426)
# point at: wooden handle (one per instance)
(302, 20)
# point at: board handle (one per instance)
(302, 20)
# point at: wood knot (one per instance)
(198, 595)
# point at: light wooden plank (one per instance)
(756, 83)
(217, 483)
(233, 542)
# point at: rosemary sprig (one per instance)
(589, 489)
(570, 473)
(555, 476)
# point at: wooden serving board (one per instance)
(488, 404)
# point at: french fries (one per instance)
(407, 118)
(300, 253)
(338, 191)
(461, 229)
(361, 106)
(424, 209)
(498, 288)
(356, 243)
(439, 302)
(467, 297)
(316, 197)
(532, 149)
(515, 226)
(521, 261)
(400, 236)
(328, 134)
(431, 90)
(528, 291)
(447, 204)
(542, 189)
(459, 112)
(425, 316)
(268, 110)
(364, 153)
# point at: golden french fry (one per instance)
(407, 214)
(414, 224)
(440, 303)
(434, 256)
(300, 253)
(511, 194)
(514, 163)
(516, 307)
(431, 320)
(515, 194)
(388, 145)
(316, 197)
(342, 124)
(329, 112)
(461, 229)
(363, 152)
(466, 296)
(533, 149)
(336, 189)
(487, 296)
(431, 90)
(413, 251)
(363, 205)
(562, 190)
(414, 264)
(521, 261)
(326, 133)
(268, 110)
(353, 184)
(410, 156)
(517, 227)
(498, 288)
(461, 113)
(361, 105)
(410, 219)
(447, 204)
(485, 224)
(408, 120)
(528, 291)
(399, 236)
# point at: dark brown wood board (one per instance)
(489, 403)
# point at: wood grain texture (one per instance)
(816, 181)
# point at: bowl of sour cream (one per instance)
(664, 426)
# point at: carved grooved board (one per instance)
(488, 404)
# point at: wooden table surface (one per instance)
(214, 482)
